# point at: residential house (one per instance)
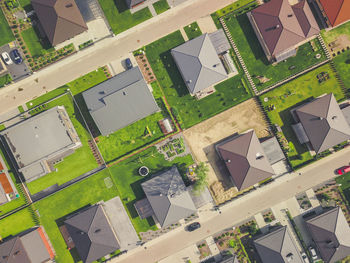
(334, 12)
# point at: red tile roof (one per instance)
(337, 11)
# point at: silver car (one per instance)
(6, 57)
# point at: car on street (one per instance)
(193, 226)
(128, 63)
(5, 56)
(343, 170)
(313, 253)
(305, 258)
(17, 56)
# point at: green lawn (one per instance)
(16, 223)
(297, 92)
(53, 209)
(119, 16)
(342, 63)
(5, 32)
(26, 4)
(234, 6)
(6, 79)
(255, 59)
(332, 35)
(78, 163)
(36, 46)
(161, 6)
(344, 180)
(192, 111)
(192, 30)
(126, 177)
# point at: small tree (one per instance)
(201, 172)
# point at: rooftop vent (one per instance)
(334, 117)
(102, 92)
(259, 156)
(17, 252)
(97, 230)
(277, 26)
(321, 118)
(69, 5)
(216, 65)
(189, 81)
(289, 257)
(290, 15)
(228, 161)
(124, 93)
(332, 244)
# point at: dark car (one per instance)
(16, 56)
(128, 63)
(193, 226)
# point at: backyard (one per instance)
(53, 209)
(119, 16)
(128, 180)
(5, 31)
(281, 100)
(161, 6)
(265, 74)
(342, 63)
(188, 110)
(16, 223)
(331, 35)
(37, 47)
(78, 163)
(192, 30)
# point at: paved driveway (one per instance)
(17, 72)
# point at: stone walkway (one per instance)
(183, 33)
(215, 252)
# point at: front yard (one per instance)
(5, 31)
(53, 209)
(16, 223)
(192, 30)
(256, 61)
(128, 180)
(36, 46)
(161, 6)
(188, 110)
(342, 63)
(4, 80)
(344, 180)
(119, 16)
(290, 95)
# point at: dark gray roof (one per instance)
(331, 233)
(92, 234)
(199, 63)
(132, 3)
(245, 159)
(120, 101)
(324, 123)
(273, 150)
(169, 197)
(219, 41)
(278, 247)
(12, 251)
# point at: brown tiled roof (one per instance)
(283, 26)
(246, 160)
(60, 19)
(337, 11)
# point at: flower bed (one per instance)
(268, 217)
(203, 250)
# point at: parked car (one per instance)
(343, 170)
(305, 258)
(5, 56)
(313, 253)
(193, 226)
(17, 56)
(128, 63)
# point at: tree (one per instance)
(201, 172)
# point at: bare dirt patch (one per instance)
(202, 137)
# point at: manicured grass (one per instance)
(2, 127)
(161, 6)
(26, 4)
(76, 86)
(125, 175)
(255, 59)
(5, 31)
(332, 35)
(4, 80)
(342, 63)
(344, 180)
(191, 110)
(36, 46)
(53, 209)
(292, 94)
(78, 163)
(234, 6)
(119, 16)
(16, 223)
(192, 30)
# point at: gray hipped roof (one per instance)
(92, 234)
(169, 197)
(199, 63)
(331, 233)
(278, 247)
(120, 101)
(245, 159)
(324, 123)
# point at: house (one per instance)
(334, 12)
(37, 143)
(281, 28)
(31, 246)
(321, 124)
(60, 19)
(199, 64)
(278, 246)
(120, 101)
(8, 191)
(168, 197)
(92, 234)
(245, 159)
(331, 233)
(133, 3)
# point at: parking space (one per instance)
(17, 71)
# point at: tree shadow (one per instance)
(121, 5)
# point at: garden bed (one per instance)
(203, 250)
(268, 216)
(303, 201)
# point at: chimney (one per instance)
(259, 156)
(289, 257)
(321, 118)
(97, 230)
(334, 117)
(290, 15)
(189, 81)
(69, 5)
